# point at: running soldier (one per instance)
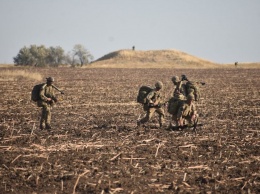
(154, 104)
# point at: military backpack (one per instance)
(174, 105)
(193, 88)
(35, 94)
(142, 94)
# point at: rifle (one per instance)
(184, 78)
(158, 105)
(58, 89)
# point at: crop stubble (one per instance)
(95, 147)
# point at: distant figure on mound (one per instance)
(236, 63)
(151, 99)
(133, 48)
(44, 95)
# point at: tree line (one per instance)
(40, 56)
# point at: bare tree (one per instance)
(71, 60)
(82, 54)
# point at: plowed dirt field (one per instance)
(95, 146)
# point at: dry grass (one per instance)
(15, 75)
(151, 59)
(159, 59)
(6, 65)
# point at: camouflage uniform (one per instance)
(179, 95)
(154, 99)
(183, 89)
(193, 89)
(179, 92)
(46, 93)
(187, 112)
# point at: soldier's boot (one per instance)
(161, 122)
(42, 126)
(169, 126)
(48, 126)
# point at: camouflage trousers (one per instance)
(187, 119)
(46, 113)
(150, 112)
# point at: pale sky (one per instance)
(222, 31)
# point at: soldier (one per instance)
(154, 102)
(183, 89)
(47, 100)
(180, 88)
(179, 94)
(187, 112)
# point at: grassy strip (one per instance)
(16, 74)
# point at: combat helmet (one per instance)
(159, 85)
(175, 79)
(50, 79)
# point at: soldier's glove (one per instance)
(48, 100)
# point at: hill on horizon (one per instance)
(151, 59)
